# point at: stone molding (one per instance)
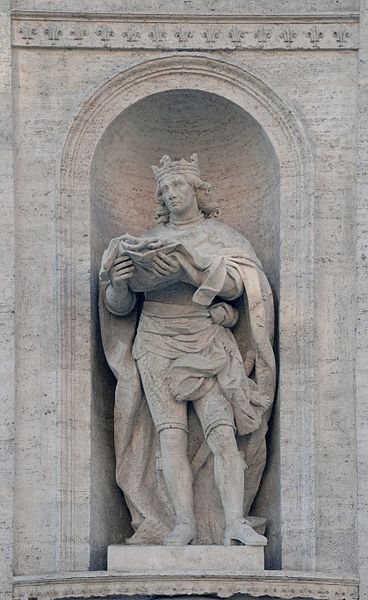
(182, 71)
(132, 32)
(9, 305)
(278, 584)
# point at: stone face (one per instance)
(85, 114)
(185, 560)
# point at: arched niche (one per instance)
(254, 153)
(239, 161)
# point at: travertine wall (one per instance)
(7, 333)
(361, 307)
(233, 7)
(318, 85)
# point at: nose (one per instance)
(172, 193)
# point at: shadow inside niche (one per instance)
(237, 158)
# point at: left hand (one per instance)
(165, 265)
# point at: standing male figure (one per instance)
(191, 269)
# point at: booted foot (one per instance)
(241, 531)
(183, 533)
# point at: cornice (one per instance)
(278, 584)
(188, 18)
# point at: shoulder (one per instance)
(155, 231)
(225, 232)
(231, 240)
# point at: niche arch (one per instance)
(83, 532)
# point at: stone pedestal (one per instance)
(185, 560)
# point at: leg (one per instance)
(171, 421)
(229, 478)
(178, 477)
(229, 470)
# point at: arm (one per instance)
(119, 298)
(120, 302)
(232, 285)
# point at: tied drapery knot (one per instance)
(224, 314)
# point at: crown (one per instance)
(176, 167)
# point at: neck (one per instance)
(191, 216)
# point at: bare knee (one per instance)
(173, 442)
(221, 440)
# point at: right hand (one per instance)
(121, 271)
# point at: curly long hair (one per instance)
(209, 207)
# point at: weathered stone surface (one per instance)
(267, 7)
(361, 309)
(190, 348)
(300, 437)
(64, 484)
(7, 308)
(269, 584)
(185, 560)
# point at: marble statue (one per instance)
(187, 325)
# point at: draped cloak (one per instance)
(216, 250)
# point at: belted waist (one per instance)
(220, 313)
(164, 310)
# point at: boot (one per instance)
(229, 477)
(183, 533)
(241, 531)
(178, 478)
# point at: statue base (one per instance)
(185, 560)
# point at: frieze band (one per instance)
(236, 35)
